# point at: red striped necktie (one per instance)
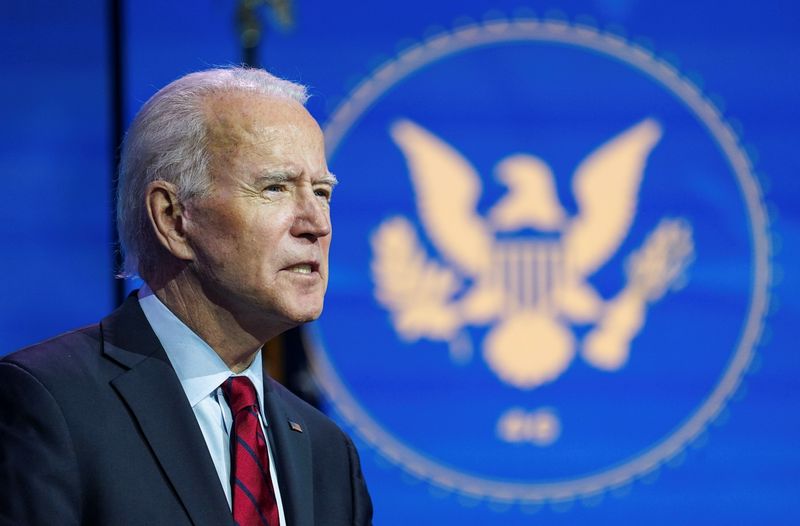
(252, 491)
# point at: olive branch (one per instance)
(416, 290)
(661, 262)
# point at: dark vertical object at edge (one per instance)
(116, 85)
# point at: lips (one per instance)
(305, 267)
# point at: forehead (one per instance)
(240, 119)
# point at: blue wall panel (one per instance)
(55, 165)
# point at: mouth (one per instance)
(303, 268)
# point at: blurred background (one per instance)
(512, 419)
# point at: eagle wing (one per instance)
(606, 187)
(447, 190)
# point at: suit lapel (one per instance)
(291, 449)
(152, 391)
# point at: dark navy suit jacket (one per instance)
(95, 429)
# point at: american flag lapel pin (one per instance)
(295, 426)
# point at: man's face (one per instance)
(261, 237)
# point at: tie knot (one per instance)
(240, 393)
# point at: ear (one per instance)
(166, 217)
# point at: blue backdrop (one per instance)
(472, 386)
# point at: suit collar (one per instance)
(152, 392)
(127, 337)
(198, 367)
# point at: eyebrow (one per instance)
(285, 177)
(328, 179)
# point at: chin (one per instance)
(306, 314)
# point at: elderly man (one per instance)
(161, 414)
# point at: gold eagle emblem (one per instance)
(529, 290)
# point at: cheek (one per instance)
(326, 246)
(216, 237)
(264, 238)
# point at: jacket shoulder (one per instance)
(69, 355)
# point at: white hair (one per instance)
(168, 141)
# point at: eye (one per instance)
(323, 192)
(277, 187)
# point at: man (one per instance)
(161, 413)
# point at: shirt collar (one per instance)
(200, 370)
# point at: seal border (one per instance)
(558, 31)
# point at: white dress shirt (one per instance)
(201, 372)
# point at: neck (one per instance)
(216, 325)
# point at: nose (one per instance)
(312, 218)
